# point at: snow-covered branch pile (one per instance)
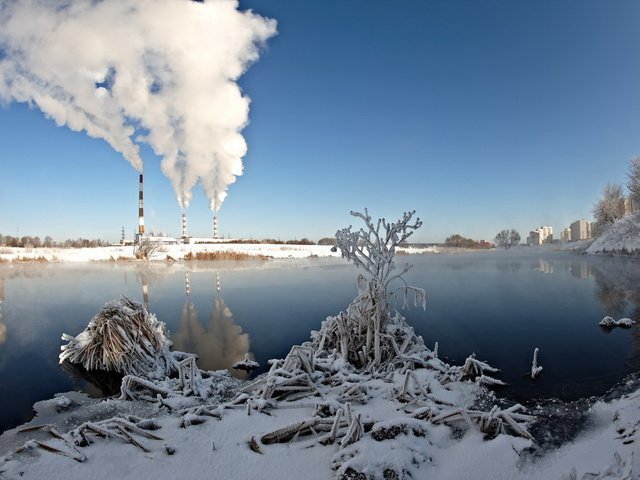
(610, 322)
(123, 337)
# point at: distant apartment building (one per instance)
(580, 230)
(565, 236)
(628, 205)
(540, 235)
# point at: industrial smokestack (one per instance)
(140, 211)
(215, 226)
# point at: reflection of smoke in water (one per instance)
(219, 344)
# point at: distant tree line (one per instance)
(48, 242)
(36, 242)
(458, 241)
(273, 241)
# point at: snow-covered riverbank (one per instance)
(405, 434)
(176, 252)
(623, 237)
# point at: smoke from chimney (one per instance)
(162, 72)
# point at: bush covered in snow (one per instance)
(122, 337)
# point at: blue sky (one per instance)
(478, 115)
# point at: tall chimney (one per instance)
(215, 226)
(140, 211)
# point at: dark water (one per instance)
(500, 305)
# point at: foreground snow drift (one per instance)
(623, 237)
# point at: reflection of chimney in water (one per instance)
(145, 291)
(219, 343)
(187, 284)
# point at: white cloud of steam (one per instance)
(161, 72)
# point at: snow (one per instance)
(246, 363)
(422, 449)
(178, 252)
(609, 322)
(621, 237)
(535, 368)
(166, 252)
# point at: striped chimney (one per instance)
(140, 210)
(215, 226)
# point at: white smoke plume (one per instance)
(161, 72)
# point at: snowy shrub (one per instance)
(367, 335)
(146, 249)
(123, 337)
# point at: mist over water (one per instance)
(499, 305)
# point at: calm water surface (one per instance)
(500, 305)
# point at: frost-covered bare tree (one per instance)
(633, 183)
(609, 208)
(361, 334)
(507, 238)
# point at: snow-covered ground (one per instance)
(221, 448)
(622, 237)
(177, 252)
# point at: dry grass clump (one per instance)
(39, 259)
(122, 337)
(223, 255)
